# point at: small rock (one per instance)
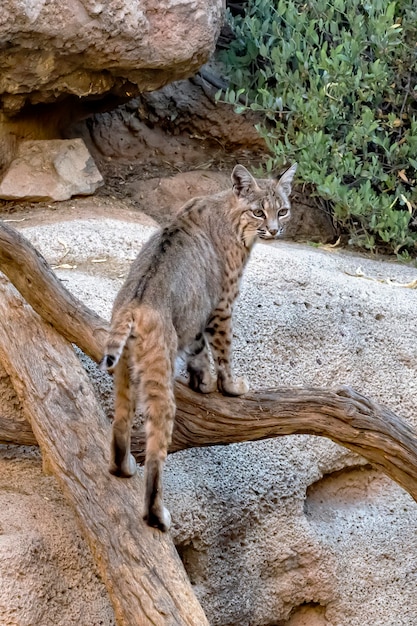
(54, 169)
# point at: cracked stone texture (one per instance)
(85, 48)
(294, 531)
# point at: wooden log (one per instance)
(344, 416)
(27, 269)
(141, 568)
(17, 430)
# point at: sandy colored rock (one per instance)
(87, 48)
(47, 575)
(52, 170)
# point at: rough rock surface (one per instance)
(294, 531)
(51, 170)
(190, 105)
(180, 129)
(185, 107)
(47, 575)
(87, 48)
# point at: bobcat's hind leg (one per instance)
(159, 416)
(155, 374)
(122, 462)
(199, 368)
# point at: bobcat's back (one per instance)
(184, 268)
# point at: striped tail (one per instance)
(120, 331)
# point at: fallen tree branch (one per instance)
(143, 573)
(26, 268)
(344, 416)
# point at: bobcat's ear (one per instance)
(286, 179)
(242, 181)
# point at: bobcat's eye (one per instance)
(282, 212)
(258, 213)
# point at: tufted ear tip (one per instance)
(242, 181)
(285, 181)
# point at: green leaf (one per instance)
(329, 82)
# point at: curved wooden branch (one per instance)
(143, 573)
(344, 416)
(28, 271)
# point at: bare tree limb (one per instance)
(344, 416)
(141, 568)
(41, 288)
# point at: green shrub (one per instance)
(337, 82)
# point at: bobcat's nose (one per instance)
(273, 231)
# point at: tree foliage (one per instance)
(337, 82)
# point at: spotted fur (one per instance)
(178, 297)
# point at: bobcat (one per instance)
(178, 297)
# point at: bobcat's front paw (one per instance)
(233, 387)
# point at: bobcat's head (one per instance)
(263, 203)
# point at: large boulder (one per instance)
(87, 48)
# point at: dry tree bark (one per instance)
(34, 279)
(141, 568)
(344, 416)
(71, 432)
